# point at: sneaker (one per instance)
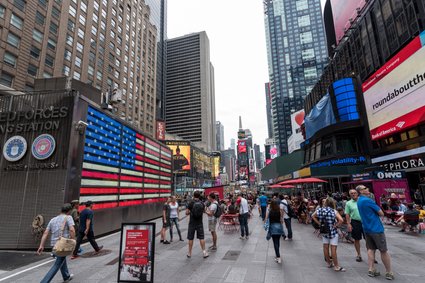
(359, 259)
(279, 260)
(389, 276)
(241, 237)
(213, 248)
(373, 273)
(71, 276)
(162, 241)
(246, 237)
(206, 254)
(75, 256)
(181, 240)
(100, 248)
(166, 242)
(284, 237)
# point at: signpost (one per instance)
(137, 252)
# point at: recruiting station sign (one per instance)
(137, 252)
(399, 82)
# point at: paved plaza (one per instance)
(238, 260)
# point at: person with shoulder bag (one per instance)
(275, 229)
(328, 220)
(63, 242)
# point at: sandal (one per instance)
(188, 256)
(340, 269)
(330, 265)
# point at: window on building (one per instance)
(83, 6)
(69, 40)
(6, 79)
(345, 144)
(77, 75)
(47, 75)
(51, 44)
(2, 11)
(327, 147)
(37, 35)
(306, 37)
(96, 5)
(308, 54)
(80, 47)
(99, 75)
(72, 11)
(32, 70)
(13, 39)
(16, 21)
(20, 4)
(66, 70)
(91, 70)
(71, 25)
(310, 73)
(80, 33)
(82, 20)
(39, 18)
(78, 61)
(55, 12)
(304, 21)
(9, 59)
(301, 5)
(34, 52)
(53, 28)
(50, 61)
(43, 3)
(95, 18)
(94, 30)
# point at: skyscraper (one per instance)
(219, 129)
(269, 110)
(158, 16)
(297, 54)
(190, 98)
(108, 44)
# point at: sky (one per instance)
(236, 32)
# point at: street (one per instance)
(238, 260)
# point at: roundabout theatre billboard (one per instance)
(395, 95)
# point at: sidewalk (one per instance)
(245, 260)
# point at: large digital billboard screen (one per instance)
(342, 12)
(394, 96)
(295, 140)
(181, 155)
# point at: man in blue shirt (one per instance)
(86, 229)
(370, 214)
(263, 205)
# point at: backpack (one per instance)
(291, 212)
(218, 211)
(197, 210)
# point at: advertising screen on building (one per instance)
(181, 155)
(399, 82)
(342, 12)
(241, 146)
(295, 140)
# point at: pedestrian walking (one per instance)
(328, 220)
(61, 225)
(243, 217)
(212, 220)
(165, 222)
(285, 206)
(85, 229)
(196, 211)
(174, 218)
(275, 217)
(418, 197)
(75, 214)
(263, 205)
(370, 214)
(354, 222)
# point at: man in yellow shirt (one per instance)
(421, 212)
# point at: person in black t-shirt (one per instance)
(85, 229)
(195, 223)
(165, 221)
(410, 218)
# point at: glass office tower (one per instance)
(297, 54)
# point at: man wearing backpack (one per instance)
(287, 215)
(213, 212)
(196, 211)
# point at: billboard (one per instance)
(181, 156)
(295, 140)
(399, 82)
(342, 12)
(160, 130)
(241, 146)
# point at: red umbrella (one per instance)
(303, 181)
(287, 187)
(275, 186)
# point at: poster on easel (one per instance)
(137, 252)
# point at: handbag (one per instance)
(64, 246)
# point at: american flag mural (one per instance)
(121, 166)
